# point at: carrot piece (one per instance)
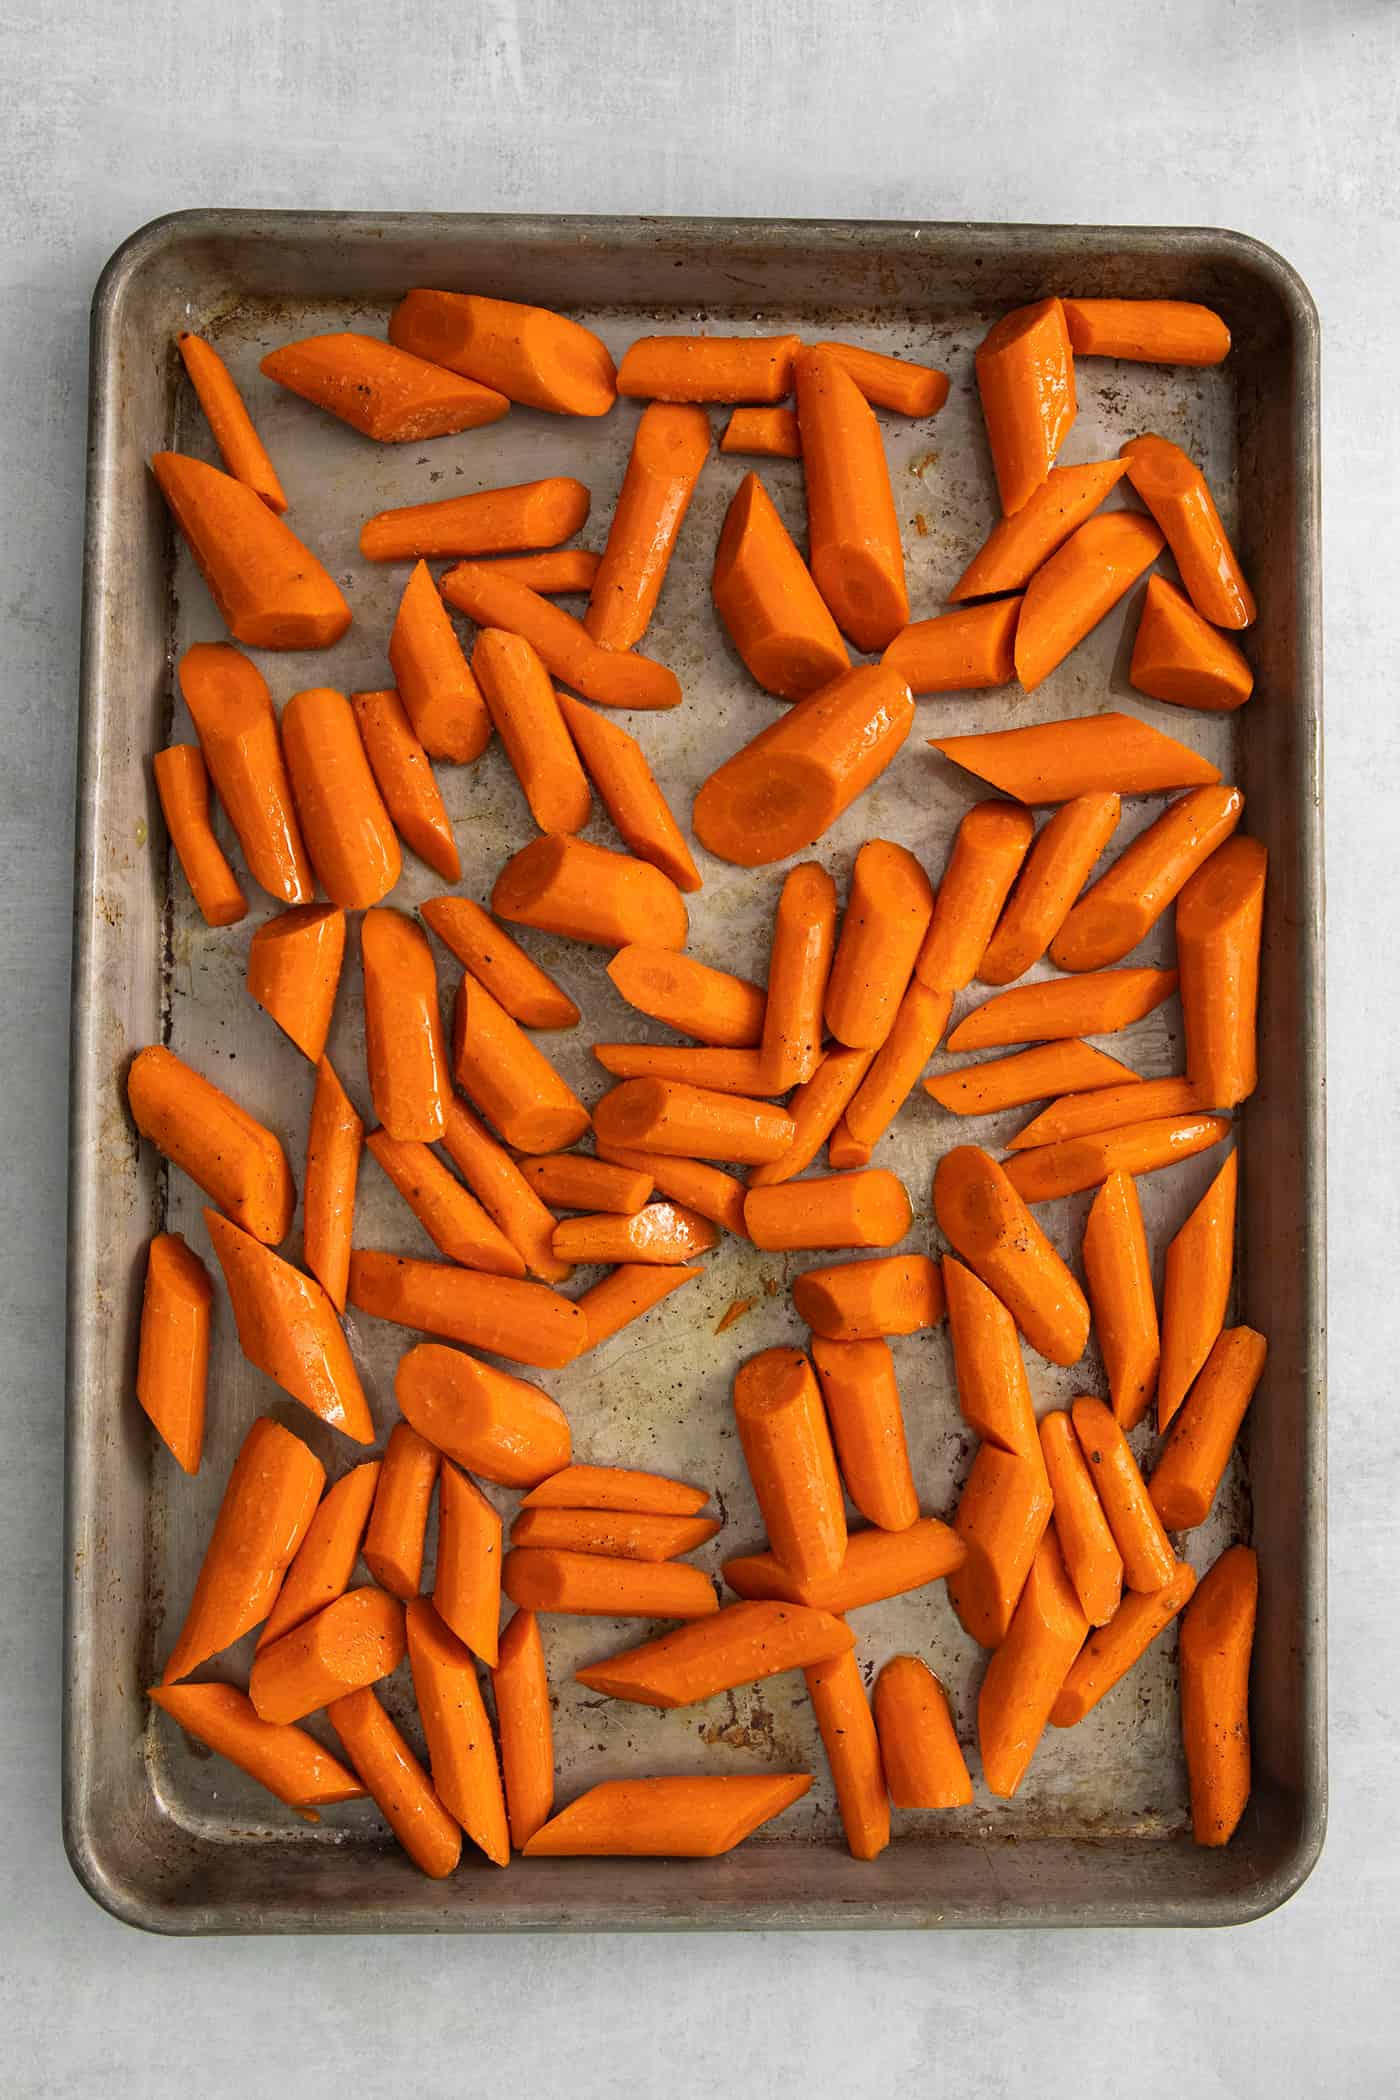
(709, 367)
(1025, 377)
(1196, 1289)
(853, 532)
(493, 1176)
(691, 1123)
(611, 677)
(563, 885)
(919, 1750)
(855, 1300)
(383, 392)
(1187, 1476)
(461, 1750)
(1153, 331)
(788, 1450)
(1180, 657)
(234, 1159)
(788, 786)
(353, 1641)
(1052, 875)
(616, 764)
(573, 1181)
(404, 777)
(528, 1323)
(398, 1524)
(1080, 583)
(887, 915)
(1017, 545)
(867, 1209)
(852, 1749)
(867, 1425)
(843, 1150)
(1023, 1678)
(799, 965)
(1029, 1075)
(1148, 1560)
(240, 448)
(528, 994)
(399, 1785)
(991, 843)
(739, 1644)
(560, 572)
(660, 1234)
(918, 1024)
(677, 1064)
(525, 710)
(267, 1505)
(1112, 1649)
(528, 353)
(332, 1170)
(287, 1326)
(490, 521)
(816, 1108)
(993, 1392)
(290, 1763)
(231, 708)
(514, 1084)
(1082, 755)
(467, 1578)
(488, 1421)
(172, 1366)
(628, 1291)
(982, 1216)
(693, 1182)
(877, 1564)
(435, 683)
(404, 1047)
(1217, 1640)
(1118, 1272)
(182, 783)
(710, 1005)
(669, 449)
(1104, 1108)
(348, 831)
(588, 1585)
(1174, 490)
(616, 1488)
(958, 652)
(1092, 1560)
(520, 1684)
(771, 432)
(1219, 928)
(1097, 1003)
(270, 590)
(891, 382)
(698, 1818)
(772, 611)
(612, 1534)
(1046, 1171)
(1126, 902)
(325, 1559)
(294, 964)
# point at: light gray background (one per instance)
(1281, 120)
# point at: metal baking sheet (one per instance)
(173, 1839)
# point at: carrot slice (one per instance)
(490, 521)
(1023, 1678)
(240, 448)
(1121, 908)
(710, 1005)
(611, 677)
(1217, 1640)
(588, 1585)
(993, 1391)
(843, 1150)
(740, 1644)
(669, 449)
(182, 783)
(1112, 1649)
(520, 1684)
(853, 532)
(347, 829)
(911, 1042)
(867, 1209)
(616, 764)
(460, 1746)
(1046, 1171)
(658, 1234)
(690, 1123)
(294, 964)
(771, 432)
(773, 612)
(450, 1215)
(816, 1108)
(467, 1578)
(887, 916)
(877, 1564)
(404, 776)
(919, 1750)
(325, 1560)
(982, 1216)
(1187, 1476)
(398, 1524)
(852, 1746)
(332, 1171)
(270, 590)
(287, 1326)
(1148, 1560)
(612, 1534)
(709, 367)
(867, 1425)
(290, 1763)
(228, 1154)
(1080, 583)
(1104, 1108)
(992, 841)
(630, 1290)
(958, 652)
(616, 1488)
(172, 1366)
(528, 994)
(1029, 1075)
(799, 965)
(787, 787)
(525, 710)
(562, 572)
(1180, 657)
(440, 696)
(380, 390)
(1097, 1003)
(1153, 331)
(788, 1450)
(493, 1176)
(562, 885)
(574, 1181)
(231, 708)
(1174, 490)
(1092, 1560)
(528, 353)
(677, 1064)
(697, 1818)
(1219, 929)
(1025, 377)
(1001, 1518)
(351, 1642)
(693, 1182)
(511, 1082)
(400, 1787)
(488, 1421)
(267, 1505)
(1196, 1290)
(1052, 875)
(525, 1322)
(1017, 545)
(1082, 755)
(1118, 1272)
(404, 1047)
(891, 382)
(855, 1300)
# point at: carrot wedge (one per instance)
(853, 531)
(1217, 1639)
(870, 1208)
(693, 1182)
(876, 1564)
(1097, 1003)
(616, 764)
(886, 1086)
(1024, 1677)
(1152, 331)
(1196, 1289)
(398, 1523)
(558, 572)
(528, 353)
(856, 1300)
(1104, 1108)
(669, 450)
(611, 677)
(1082, 755)
(708, 367)
(1187, 1476)
(1148, 1560)
(992, 841)
(294, 964)
(1001, 1518)
(290, 1763)
(844, 1150)
(351, 1642)
(520, 1684)
(592, 1585)
(467, 1578)
(887, 916)
(965, 651)
(332, 1172)
(172, 1365)
(713, 1006)
(1052, 875)
(1118, 1273)
(799, 966)
(486, 1420)
(454, 1221)
(1113, 1648)
(993, 1391)
(270, 590)
(325, 1559)
(404, 1047)
(628, 1291)
(240, 448)
(1025, 376)
(491, 521)
(287, 1326)
(616, 1488)
(461, 1750)
(348, 831)
(816, 1108)
(688, 1818)
(984, 1219)
(772, 611)
(923, 1761)
(528, 1323)
(234, 1159)
(659, 1234)
(861, 1394)
(772, 433)
(231, 709)
(1174, 490)
(1082, 582)
(400, 1787)
(891, 382)
(575, 1181)
(852, 1747)
(1046, 1171)
(1179, 657)
(565, 885)
(691, 1123)
(740, 1644)
(525, 710)
(1067, 1067)
(1121, 908)
(439, 693)
(513, 1084)
(1017, 545)
(528, 994)
(404, 776)
(495, 1179)
(385, 393)
(182, 783)
(787, 1447)
(702, 1069)
(1219, 929)
(1092, 1559)
(612, 1534)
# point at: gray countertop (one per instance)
(1277, 119)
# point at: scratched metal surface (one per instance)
(657, 1395)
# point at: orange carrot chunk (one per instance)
(958, 652)
(1217, 1640)
(172, 1365)
(1025, 376)
(562, 572)
(348, 831)
(877, 1564)
(488, 1421)
(461, 1751)
(1122, 907)
(984, 1219)
(240, 448)
(612, 1534)
(1180, 657)
(1080, 583)
(495, 1179)
(511, 1082)
(709, 367)
(887, 916)
(866, 1209)
(1024, 1677)
(1001, 1519)
(520, 1684)
(992, 841)
(787, 1447)
(1052, 875)
(385, 393)
(843, 1150)
(1029, 1075)
(1105, 1108)
(628, 1291)
(404, 776)
(799, 965)
(867, 1425)
(1187, 1476)
(1196, 1290)
(1097, 1003)
(528, 994)
(354, 1641)
(398, 1523)
(563, 885)
(440, 696)
(1152, 331)
(525, 710)
(837, 1692)
(853, 1301)
(1092, 1560)
(182, 783)
(1047, 1171)
(467, 1578)
(590, 1585)
(617, 766)
(1174, 490)
(574, 1181)
(816, 1108)
(1118, 1272)
(773, 433)
(234, 1159)
(270, 590)
(491, 521)
(294, 964)
(290, 1763)
(658, 1234)
(231, 709)
(677, 1064)
(690, 1123)
(1148, 1560)
(923, 1761)
(773, 612)
(1017, 545)
(399, 1785)
(525, 1322)
(710, 1005)
(332, 1171)
(1112, 1649)
(669, 449)
(911, 1042)
(1083, 755)
(287, 1326)
(891, 382)
(993, 1391)
(325, 1560)
(687, 1818)
(740, 1644)
(693, 1182)
(616, 1488)
(528, 353)
(857, 560)
(404, 1047)
(1219, 929)
(611, 677)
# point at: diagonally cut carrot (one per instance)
(528, 994)
(1154, 331)
(616, 1488)
(740, 1644)
(655, 1115)
(1052, 875)
(520, 1684)
(1219, 931)
(1187, 1476)
(857, 560)
(404, 776)
(1122, 907)
(1017, 545)
(486, 1420)
(347, 829)
(1118, 1272)
(1148, 1560)
(524, 708)
(466, 1775)
(1046, 1171)
(992, 841)
(816, 1108)
(1112, 1649)
(287, 1326)
(1217, 1639)
(693, 1182)
(877, 1564)
(993, 1391)
(234, 1159)
(1001, 1519)
(440, 696)
(491, 521)
(611, 677)
(624, 1294)
(404, 1047)
(911, 1042)
(1174, 490)
(612, 1534)
(963, 651)
(696, 1818)
(1024, 1677)
(708, 367)
(566, 885)
(617, 766)
(290, 1763)
(332, 1171)
(527, 1323)
(891, 382)
(454, 1221)
(592, 1585)
(1092, 1560)
(1196, 1289)
(869, 1208)
(710, 1005)
(854, 1300)
(240, 448)
(577, 1181)
(1097, 1003)
(887, 916)
(867, 1424)
(852, 1748)
(1025, 376)
(1082, 581)
(231, 708)
(172, 1365)
(985, 1220)
(1067, 1067)
(924, 1765)
(1103, 1108)
(659, 1234)
(512, 1083)
(383, 392)
(399, 1785)
(270, 590)
(1180, 657)
(799, 965)
(495, 1179)
(294, 964)
(182, 783)
(398, 1523)
(326, 1557)
(1083, 755)
(773, 612)
(669, 450)
(772, 433)
(788, 1450)
(531, 355)
(467, 1578)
